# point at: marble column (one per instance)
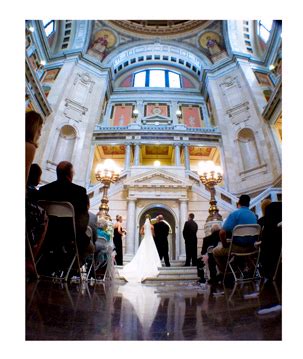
(177, 155)
(127, 156)
(89, 166)
(183, 218)
(137, 154)
(130, 228)
(186, 158)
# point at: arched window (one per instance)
(157, 78)
(49, 27)
(264, 29)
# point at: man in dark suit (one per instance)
(64, 190)
(161, 232)
(190, 236)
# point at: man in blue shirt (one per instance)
(242, 215)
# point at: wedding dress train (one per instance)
(146, 261)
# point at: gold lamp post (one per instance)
(210, 175)
(107, 172)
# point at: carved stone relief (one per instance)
(75, 104)
(236, 103)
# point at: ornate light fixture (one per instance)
(107, 172)
(157, 163)
(179, 115)
(135, 114)
(210, 175)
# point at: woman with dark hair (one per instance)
(118, 233)
(36, 218)
(33, 180)
(33, 125)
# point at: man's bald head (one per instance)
(65, 171)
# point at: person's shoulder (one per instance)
(30, 147)
(48, 186)
(78, 188)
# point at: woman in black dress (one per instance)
(118, 232)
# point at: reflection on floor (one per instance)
(166, 311)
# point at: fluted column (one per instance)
(127, 156)
(177, 155)
(130, 227)
(186, 157)
(183, 218)
(137, 154)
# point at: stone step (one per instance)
(173, 273)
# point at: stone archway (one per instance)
(153, 210)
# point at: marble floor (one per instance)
(166, 311)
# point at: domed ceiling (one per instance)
(158, 27)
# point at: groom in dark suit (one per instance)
(161, 232)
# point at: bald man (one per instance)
(64, 190)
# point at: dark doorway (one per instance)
(169, 218)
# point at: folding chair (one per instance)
(244, 230)
(62, 210)
(32, 258)
(91, 264)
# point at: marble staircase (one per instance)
(176, 272)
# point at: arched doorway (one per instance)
(169, 218)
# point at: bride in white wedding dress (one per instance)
(146, 261)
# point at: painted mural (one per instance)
(151, 150)
(122, 115)
(127, 82)
(33, 59)
(211, 41)
(156, 109)
(191, 116)
(114, 150)
(199, 151)
(263, 79)
(186, 83)
(103, 42)
(50, 75)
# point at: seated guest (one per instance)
(36, 217)
(264, 204)
(103, 241)
(271, 238)
(33, 180)
(209, 241)
(63, 189)
(242, 215)
(33, 124)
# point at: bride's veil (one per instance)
(147, 228)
